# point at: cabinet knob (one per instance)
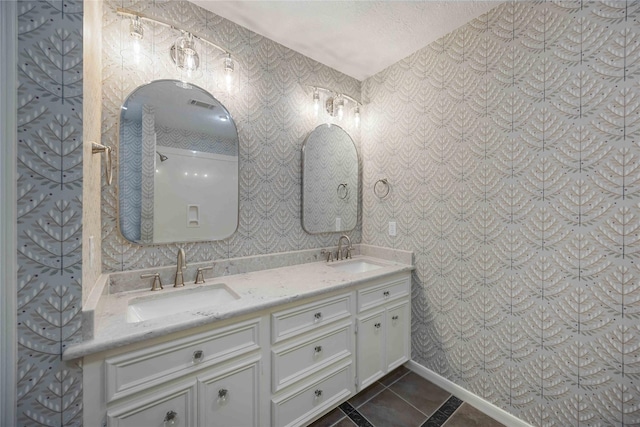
(318, 349)
(386, 294)
(318, 315)
(394, 317)
(198, 355)
(170, 418)
(377, 325)
(223, 393)
(318, 393)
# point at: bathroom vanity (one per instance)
(285, 346)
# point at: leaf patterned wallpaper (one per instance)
(512, 148)
(49, 204)
(272, 109)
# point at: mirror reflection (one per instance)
(178, 173)
(329, 181)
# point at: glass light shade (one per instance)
(136, 29)
(227, 73)
(184, 54)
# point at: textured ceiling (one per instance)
(358, 38)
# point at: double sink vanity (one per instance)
(250, 346)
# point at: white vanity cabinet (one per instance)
(311, 359)
(282, 366)
(208, 377)
(383, 329)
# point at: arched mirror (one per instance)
(178, 165)
(329, 181)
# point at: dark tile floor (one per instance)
(405, 399)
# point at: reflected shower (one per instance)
(162, 156)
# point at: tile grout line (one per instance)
(427, 416)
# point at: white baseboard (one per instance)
(472, 399)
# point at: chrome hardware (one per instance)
(386, 294)
(170, 417)
(329, 255)
(394, 318)
(108, 151)
(318, 393)
(157, 283)
(223, 393)
(348, 248)
(198, 355)
(377, 325)
(348, 255)
(318, 315)
(317, 349)
(181, 264)
(200, 275)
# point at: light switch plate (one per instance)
(392, 228)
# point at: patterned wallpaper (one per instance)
(49, 210)
(273, 112)
(512, 148)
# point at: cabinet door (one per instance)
(370, 353)
(172, 406)
(398, 347)
(230, 397)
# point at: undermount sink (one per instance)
(356, 266)
(154, 306)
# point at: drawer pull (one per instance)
(170, 418)
(223, 393)
(386, 294)
(318, 315)
(318, 393)
(377, 325)
(394, 317)
(317, 349)
(198, 355)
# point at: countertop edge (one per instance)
(87, 348)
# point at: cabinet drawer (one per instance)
(302, 405)
(302, 359)
(230, 397)
(174, 404)
(378, 295)
(138, 370)
(289, 323)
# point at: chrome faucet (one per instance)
(348, 254)
(181, 264)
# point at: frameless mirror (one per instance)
(329, 181)
(178, 165)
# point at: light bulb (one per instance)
(316, 101)
(229, 67)
(356, 116)
(338, 107)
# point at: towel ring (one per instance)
(381, 188)
(99, 148)
(342, 191)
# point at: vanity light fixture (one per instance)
(336, 104)
(183, 52)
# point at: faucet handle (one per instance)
(348, 255)
(157, 283)
(328, 253)
(200, 274)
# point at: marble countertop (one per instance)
(257, 290)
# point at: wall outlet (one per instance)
(392, 228)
